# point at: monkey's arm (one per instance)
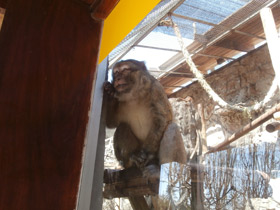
(160, 121)
(161, 111)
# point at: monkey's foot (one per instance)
(151, 171)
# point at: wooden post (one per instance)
(197, 191)
(48, 57)
(273, 40)
(203, 128)
(2, 13)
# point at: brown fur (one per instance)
(138, 106)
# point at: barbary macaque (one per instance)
(138, 107)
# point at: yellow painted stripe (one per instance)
(125, 16)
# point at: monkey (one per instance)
(137, 106)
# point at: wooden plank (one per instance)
(230, 45)
(2, 13)
(90, 195)
(48, 56)
(3, 3)
(273, 41)
(89, 2)
(128, 183)
(235, 45)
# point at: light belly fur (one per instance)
(139, 120)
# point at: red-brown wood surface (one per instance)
(103, 8)
(48, 54)
(3, 3)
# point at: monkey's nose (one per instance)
(118, 77)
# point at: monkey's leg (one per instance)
(126, 145)
(172, 147)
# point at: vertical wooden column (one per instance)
(273, 40)
(2, 12)
(48, 55)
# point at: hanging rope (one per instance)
(212, 94)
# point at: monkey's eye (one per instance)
(121, 71)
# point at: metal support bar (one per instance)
(157, 48)
(90, 193)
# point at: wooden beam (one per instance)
(102, 8)
(3, 4)
(2, 13)
(273, 41)
(128, 183)
(178, 74)
(48, 57)
(233, 45)
(214, 56)
(248, 34)
(89, 2)
(247, 128)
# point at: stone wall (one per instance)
(245, 81)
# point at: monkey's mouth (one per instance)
(121, 87)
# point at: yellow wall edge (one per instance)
(125, 16)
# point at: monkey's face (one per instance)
(123, 78)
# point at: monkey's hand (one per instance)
(139, 159)
(109, 88)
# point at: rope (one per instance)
(212, 94)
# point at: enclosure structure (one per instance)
(215, 32)
(48, 68)
(235, 45)
(48, 60)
